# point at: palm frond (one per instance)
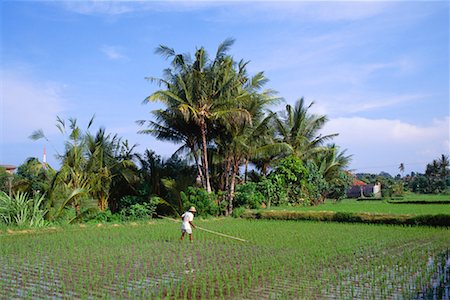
(165, 51)
(38, 134)
(224, 47)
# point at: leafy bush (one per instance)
(22, 211)
(273, 190)
(204, 202)
(339, 185)
(139, 211)
(419, 184)
(293, 183)
(397, 189)
(106, 216)
(238, 211)
(248, 196)
(313, 184)
(292, 174)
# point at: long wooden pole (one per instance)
(207, 230)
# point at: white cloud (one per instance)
(118, 8)
(381, 144)
(27, 105)
(94, 7)
(327, 11)
(363, 103)
(113, 52)
(249, 10)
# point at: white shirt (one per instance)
(187, 217)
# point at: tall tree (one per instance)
(401, 168)
(300, 129)
(237, 145)
(437, 173)
(199, 89)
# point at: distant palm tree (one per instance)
(444, 164)
(401, 168)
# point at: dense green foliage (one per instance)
(249, 196)
(282, 259)
(204, 202)
(21, 210)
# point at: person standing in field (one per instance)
(186, 226)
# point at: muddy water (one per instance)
(439, 285)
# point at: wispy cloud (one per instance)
(28, 105)
(118, 8)
(352, 103)
(113, 52)
(324, 11)
(95, 7)
(391, 142)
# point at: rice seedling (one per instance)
(281, 260)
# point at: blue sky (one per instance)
(378, 69)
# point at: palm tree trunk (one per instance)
(77, 209)
(103, 203)
(246, 170)
(232, 186)
(226, 173)
(226, 176)
(199, 169)
(205, 155)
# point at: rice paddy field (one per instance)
(280, 260)
(374, 206)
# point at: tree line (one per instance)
(234, 151)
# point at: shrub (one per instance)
(273, 190)
(248, 196)
(204, 202)
(238, 212)
(107, 216)
(339, 185)
(313, 184)
(291, 174)
(21, 210)
(139, 211)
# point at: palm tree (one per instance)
(200, 91)
(71, 180)
(331, 161)
(444, 164)
(300, 130)
(238, 144)
(171, 126)
(401, 168)
(89, 165)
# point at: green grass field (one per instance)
(426, 197)
(374, 206)
(282, 259)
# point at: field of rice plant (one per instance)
(374, 206)
(281, 259)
